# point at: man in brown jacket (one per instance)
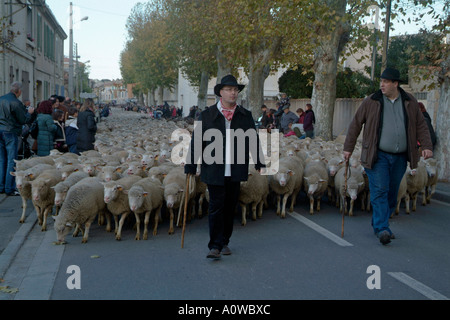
(393, 123)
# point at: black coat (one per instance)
(214, 174)
(87, 128)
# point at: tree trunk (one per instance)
(160, 91)
(255, 89)
(223, 65)
(202, 97)
(260, 56)
(442, 148)
(325, 68)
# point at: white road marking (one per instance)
(418, 286)
(321, 230)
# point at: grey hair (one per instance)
(16, 87)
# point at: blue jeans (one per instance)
(9, 143)
(384, 181)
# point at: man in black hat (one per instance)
(224, 167)
(393, 123)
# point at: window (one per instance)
(29, 24)
(39, 32)
(49, 42)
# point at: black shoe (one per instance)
(214, 254)
(13, 194)
(385, 237)
(226, 251)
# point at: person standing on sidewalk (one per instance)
(13, 115)
(309, 121)
(393, 123)
(224, 175)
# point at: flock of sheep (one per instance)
(131, 172)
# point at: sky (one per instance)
(102, 37)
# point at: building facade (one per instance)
(32, 49)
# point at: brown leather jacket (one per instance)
(370, 114)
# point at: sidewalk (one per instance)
(13, 233)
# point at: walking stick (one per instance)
(345, 196)
(186, 197)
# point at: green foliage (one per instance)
(353, 84)
(297, 83)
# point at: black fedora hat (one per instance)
(391, 74)
(228, 80)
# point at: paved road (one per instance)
(300, 257)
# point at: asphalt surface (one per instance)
(302, 257)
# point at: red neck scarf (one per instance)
(228, 113)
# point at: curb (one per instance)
(8, 255)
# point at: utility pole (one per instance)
(386, 36)
(70, 89)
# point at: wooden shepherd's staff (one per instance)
(345, 196)
(186, 199)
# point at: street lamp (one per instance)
(70, 90)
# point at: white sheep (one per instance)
(110, 173)
(355, 186)
(61, 188)
(68, 169)
(416, 181)
(145, 196)
(432, 172)
(117, 201)
(23, 184)
(253, 192)
(286, 182)
(174, 184)
(31, 162)
(402, 193)
(333, 165)
(43, 196)
(315, 183)
(83, 202)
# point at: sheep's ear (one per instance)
(145, 193)
(120, 188)
(12, 173)
(290, 172)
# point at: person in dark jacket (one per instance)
(392, 124)
(13, 115)
(223, 168)
(60, 135)
(72, 130)
(87, 127)
(47, 128)
(309, 121)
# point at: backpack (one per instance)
(34, 130)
